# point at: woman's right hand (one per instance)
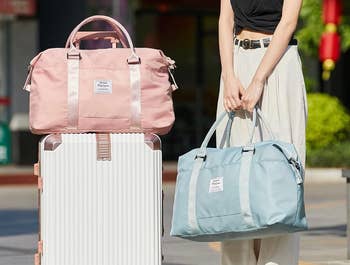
(233, 92)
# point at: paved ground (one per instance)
(325, 242)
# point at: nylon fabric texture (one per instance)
(75, 90)
(284, 104)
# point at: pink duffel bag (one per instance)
(102, 90)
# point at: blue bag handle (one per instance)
(227, 133)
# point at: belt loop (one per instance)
(239, 42)
(261, 43)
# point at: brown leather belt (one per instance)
(254, 44)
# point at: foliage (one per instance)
(328, 121)
(336, 155)
(312, 27)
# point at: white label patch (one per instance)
(216, 184)
(103, 86)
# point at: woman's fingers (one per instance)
(233, 102)
(230, 104)
(244, 101)
(242, 91)
(233, 93)
(226, 106)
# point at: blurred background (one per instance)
(187, 32)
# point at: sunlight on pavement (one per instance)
(216, 247)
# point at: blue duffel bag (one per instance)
(246, 192)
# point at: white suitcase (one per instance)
(100, 199)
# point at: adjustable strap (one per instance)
(244, 178)
(103, 147)
(135, 87)
(192, 193)
(227, 133)
(73, 57)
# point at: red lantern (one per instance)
(329, 50)
(332, 11)
(330, 46)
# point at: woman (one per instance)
(261, 66)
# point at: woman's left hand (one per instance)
(252, 95)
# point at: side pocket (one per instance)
(104, 93)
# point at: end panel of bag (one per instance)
(186, 161)
(157, 110)
(300, 217)
(48, 98)
(273, 188)
(180, 225)
(156, 92)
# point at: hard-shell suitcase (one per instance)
(100, 199)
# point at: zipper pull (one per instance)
(173, 82)
(30, 72)
(171, 67)
(171, 62)
(29, 78)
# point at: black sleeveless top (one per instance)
(257, 15)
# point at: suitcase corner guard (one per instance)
(52, 142)
(153, 141)
(40, 247)
(37, 259)
(36, 169)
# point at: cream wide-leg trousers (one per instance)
(284, 105)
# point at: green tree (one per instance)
(328, 121)
(311, 27)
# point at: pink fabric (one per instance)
(109, 112)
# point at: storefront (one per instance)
(11, 13)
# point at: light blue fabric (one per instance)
(252, 191)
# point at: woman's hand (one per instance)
(274, 52)
(252, 95)
(233, 91)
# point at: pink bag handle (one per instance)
(112, 36)
(116, 31)
(115, 24)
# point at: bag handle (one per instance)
(112, 36)
(256, 112)
(116, 26)
(227, 133)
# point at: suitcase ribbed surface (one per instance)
(101, 212)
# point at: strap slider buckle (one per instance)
(202, 156)
(248, 148)
(76, 56)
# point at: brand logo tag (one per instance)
(103, 86)
(216, 184)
